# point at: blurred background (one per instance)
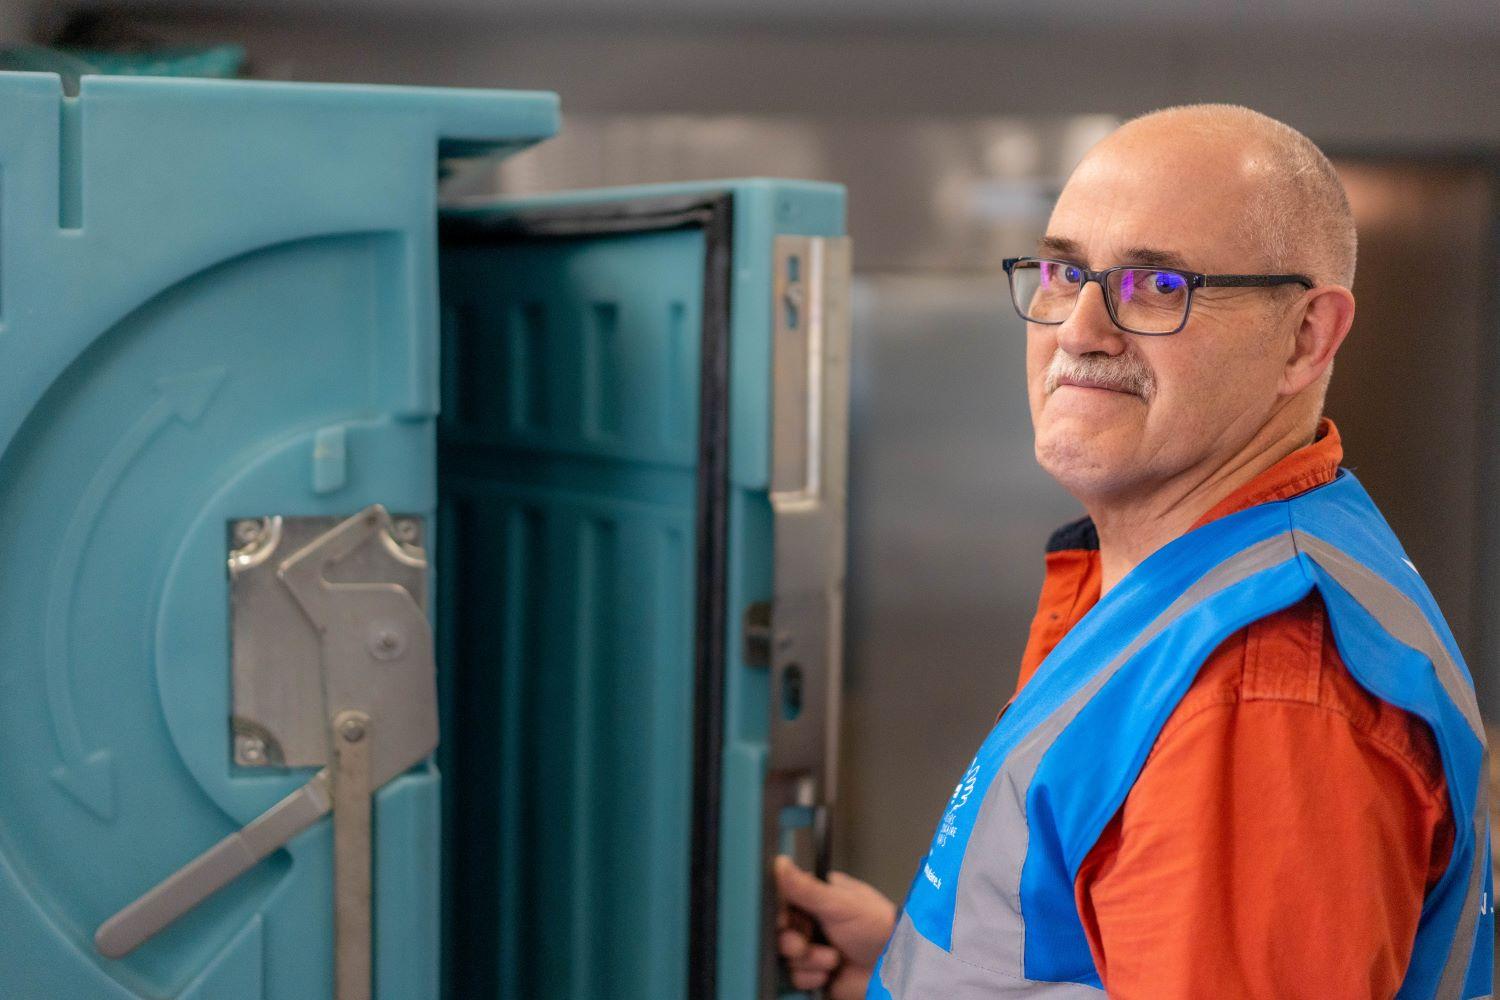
(954, 123)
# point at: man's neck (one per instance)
(1134, 526)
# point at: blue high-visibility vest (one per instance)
(991, 911)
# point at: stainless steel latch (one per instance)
(798, 636)
(333, 668)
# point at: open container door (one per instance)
(218, 334)
(641, 566)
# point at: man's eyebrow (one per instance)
(1152, 257)
(1061, 246)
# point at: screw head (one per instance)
(247, 531)
(250, 749)
(385, 642)
(406, 529)
(352, 730)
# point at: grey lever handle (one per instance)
(213, 869)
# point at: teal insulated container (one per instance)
(401, 599)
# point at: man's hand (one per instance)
(855, 917)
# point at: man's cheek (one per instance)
(1200, 381)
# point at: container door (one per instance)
(641, 568)
(218, 389)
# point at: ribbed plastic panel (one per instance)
(567, 492)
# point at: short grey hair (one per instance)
(1300, 220)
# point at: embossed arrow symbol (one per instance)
(87, 775)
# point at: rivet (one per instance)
(385, 642)
(250, 749)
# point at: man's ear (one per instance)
(1327, 314)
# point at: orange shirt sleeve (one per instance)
(1270, 848)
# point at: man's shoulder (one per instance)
(1290, 658)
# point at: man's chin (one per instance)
(1084, 460)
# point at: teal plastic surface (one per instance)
(199, 281)
(570, 456)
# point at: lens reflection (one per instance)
(1044, 290)
(1147, 300)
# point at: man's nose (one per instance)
(1089, 329)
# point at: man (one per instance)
(1244, 756)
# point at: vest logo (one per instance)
(949, 825)
(1486, 906)
(931, 876)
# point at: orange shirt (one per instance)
(1287, 824)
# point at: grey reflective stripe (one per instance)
(916, 969)
(988, 928)
(1461, 951)
(1400, 616)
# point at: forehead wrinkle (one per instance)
(1116, 212)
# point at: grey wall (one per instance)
(1341, 76)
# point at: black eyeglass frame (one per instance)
(1194, 280)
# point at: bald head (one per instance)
(1296, 214)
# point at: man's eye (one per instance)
(1168, 283)
(1072, 275)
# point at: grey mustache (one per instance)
(1125, 373)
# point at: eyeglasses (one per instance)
(1152, 301)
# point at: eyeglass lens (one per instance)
(1144, 300)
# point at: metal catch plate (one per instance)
(280, 716)
(798, 637)
(809, 461)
